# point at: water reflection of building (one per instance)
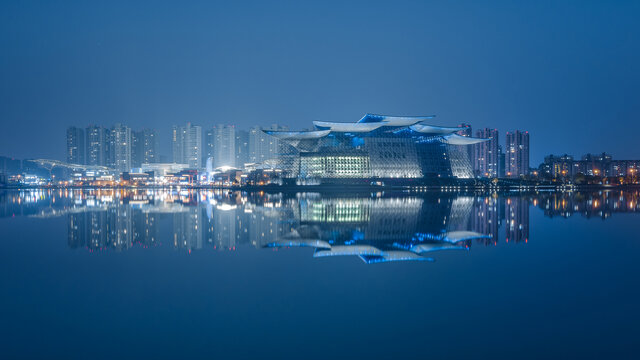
(122, 230)
(145, 228)
(486, 218)
(380, 229)
(517, 219)
(601, 204)
(459, 213)
(224, 226)
(227, 223)
(118, 226)
(377, 228)
(188, 228)
(268, 224)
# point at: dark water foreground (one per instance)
(155, 274)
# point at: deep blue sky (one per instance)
(568, 72)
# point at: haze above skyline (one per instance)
(566, 72)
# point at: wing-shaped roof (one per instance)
(456, 236)
(371, 122)
(455, 139)
(347, 127)
(435, 130)
(429, 247)
(297, 135)
(342, 250)
(393, 120)
(388, 256)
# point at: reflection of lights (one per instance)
(274, 210)
(226, 207)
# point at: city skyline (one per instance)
(165, 149)
(209, 151)
(374, 148)
(227, 146)
(253, 146)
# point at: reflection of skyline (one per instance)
(517, 219)
(487, 218)
(375, 228)
(601, 204)
(119, 226)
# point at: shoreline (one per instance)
(461, 187)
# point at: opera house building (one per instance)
(377, 148)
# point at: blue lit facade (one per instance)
(377, 147)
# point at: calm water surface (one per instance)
(178, 274)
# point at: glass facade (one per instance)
(319, 166)
(396, 148)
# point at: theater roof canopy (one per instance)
(455, 139)
(371, 122)
(298, 135)
(435, 130)
(347, 127)
(394, 120)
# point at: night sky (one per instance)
(568, 72)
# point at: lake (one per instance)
(89, 274)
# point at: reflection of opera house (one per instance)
(377, 147)
(381, 229)
(374, 227)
